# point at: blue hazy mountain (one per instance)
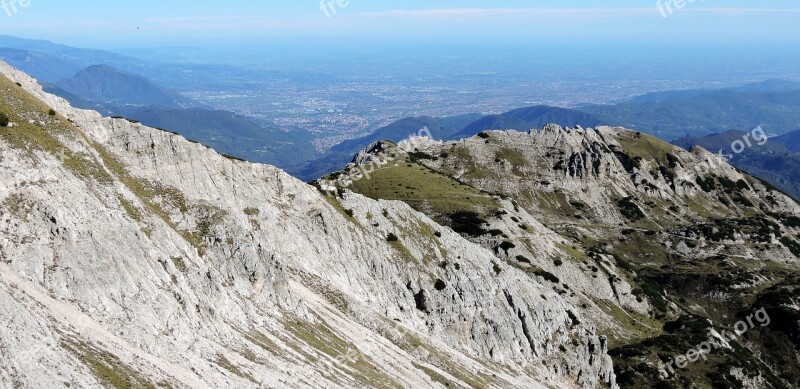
(113, 92)
(707, 113)
(41, 66)
(108, 85)
(768, 86)
(73, 59)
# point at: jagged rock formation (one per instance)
(130, 256)
(639, 236)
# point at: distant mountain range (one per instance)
(769, 86)
(773, 104)
(118, 85)
(43, 67)
(52, 62)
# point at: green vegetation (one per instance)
(47, 138)
(323, 339)
(233, 158)
(507, 245)
(4, 120)
(547, 276)
(17, 205)
(706, 184)
(130, 209)
(513, 156)
(792, 245)
(629, 209)
(468, 222)
(496, 268)
(33, 137)
(435, 377)
(424, 190)
(108, 369)
(642, 146)
(419, 156)
(573, 318)
(227, 365)
(179, 264)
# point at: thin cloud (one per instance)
(741, 11)
(464, 12)
(567, 12)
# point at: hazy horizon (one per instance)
(206, 24)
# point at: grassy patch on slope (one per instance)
(424, 190)
(645, 146)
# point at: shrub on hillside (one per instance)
(467, 222)
(3, 120)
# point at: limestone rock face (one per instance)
(129, 254)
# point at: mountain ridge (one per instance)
(147, 244)
(640, 236)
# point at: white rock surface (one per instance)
(192, 270)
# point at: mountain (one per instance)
(41, 66)
(439, 128)
(524, 119)
(132, 257)
(665, 251)
(790, 140)
(454, 127)
(117, 93)
(768, 86)
(342, 153)
(773, 105)
(47, 54)
(230, 133)
(107, 85)
(715, 112)
(776, 161)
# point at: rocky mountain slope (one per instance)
(653, 245)
(131, 257)
(775, 160)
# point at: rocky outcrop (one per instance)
(638, 236)
(130, 254)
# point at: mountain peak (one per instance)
(108, 85)
(159, 260)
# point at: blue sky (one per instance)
(148, 23)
